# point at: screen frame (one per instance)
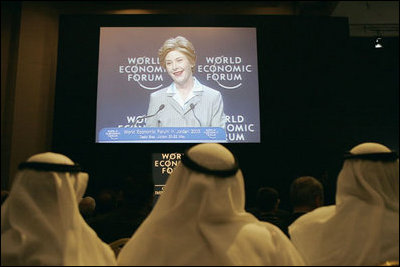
(117, 94)
(89, 30)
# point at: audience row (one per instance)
(200, 219)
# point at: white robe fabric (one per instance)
(41, 223)
(363, 227)
(200, 220)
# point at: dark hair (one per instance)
(267, 197)
(304, 190)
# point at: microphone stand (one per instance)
(192, 108)
(145, 117)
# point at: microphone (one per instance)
(192, 108)
(162, 106)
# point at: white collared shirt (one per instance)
(197, 87)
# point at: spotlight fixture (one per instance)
(378, 42)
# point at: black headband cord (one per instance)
(41, 166)
(188, 162)
(386, 156)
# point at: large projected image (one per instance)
(143, 79)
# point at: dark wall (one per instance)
(321, 93)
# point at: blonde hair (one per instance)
(180, 44)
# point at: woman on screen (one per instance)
(186, 102)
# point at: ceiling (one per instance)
(370, 18)
(366, 18)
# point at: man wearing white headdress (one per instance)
(40, 220)
(200, 219)
(363, 227)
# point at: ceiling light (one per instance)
(378, 42)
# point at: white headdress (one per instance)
(40, 220)
(200, 219)
(363, 227)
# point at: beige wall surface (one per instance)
(10, 24)
(35, 83)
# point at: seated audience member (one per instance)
(40, 221)
(106, 201)
(267, 208)
(87, 207)
(363, 227)
(200, 219)
(134, 204)
(306, 194)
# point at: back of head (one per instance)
(362, 228)
(202, 201)
(200, 219)
(207, 174)
(370, 173)
(369, 148)
(267, 199)
(41, 220)
(54, 165)
(87, 206)
(304, 191)
(214, 157)
(43, 172)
